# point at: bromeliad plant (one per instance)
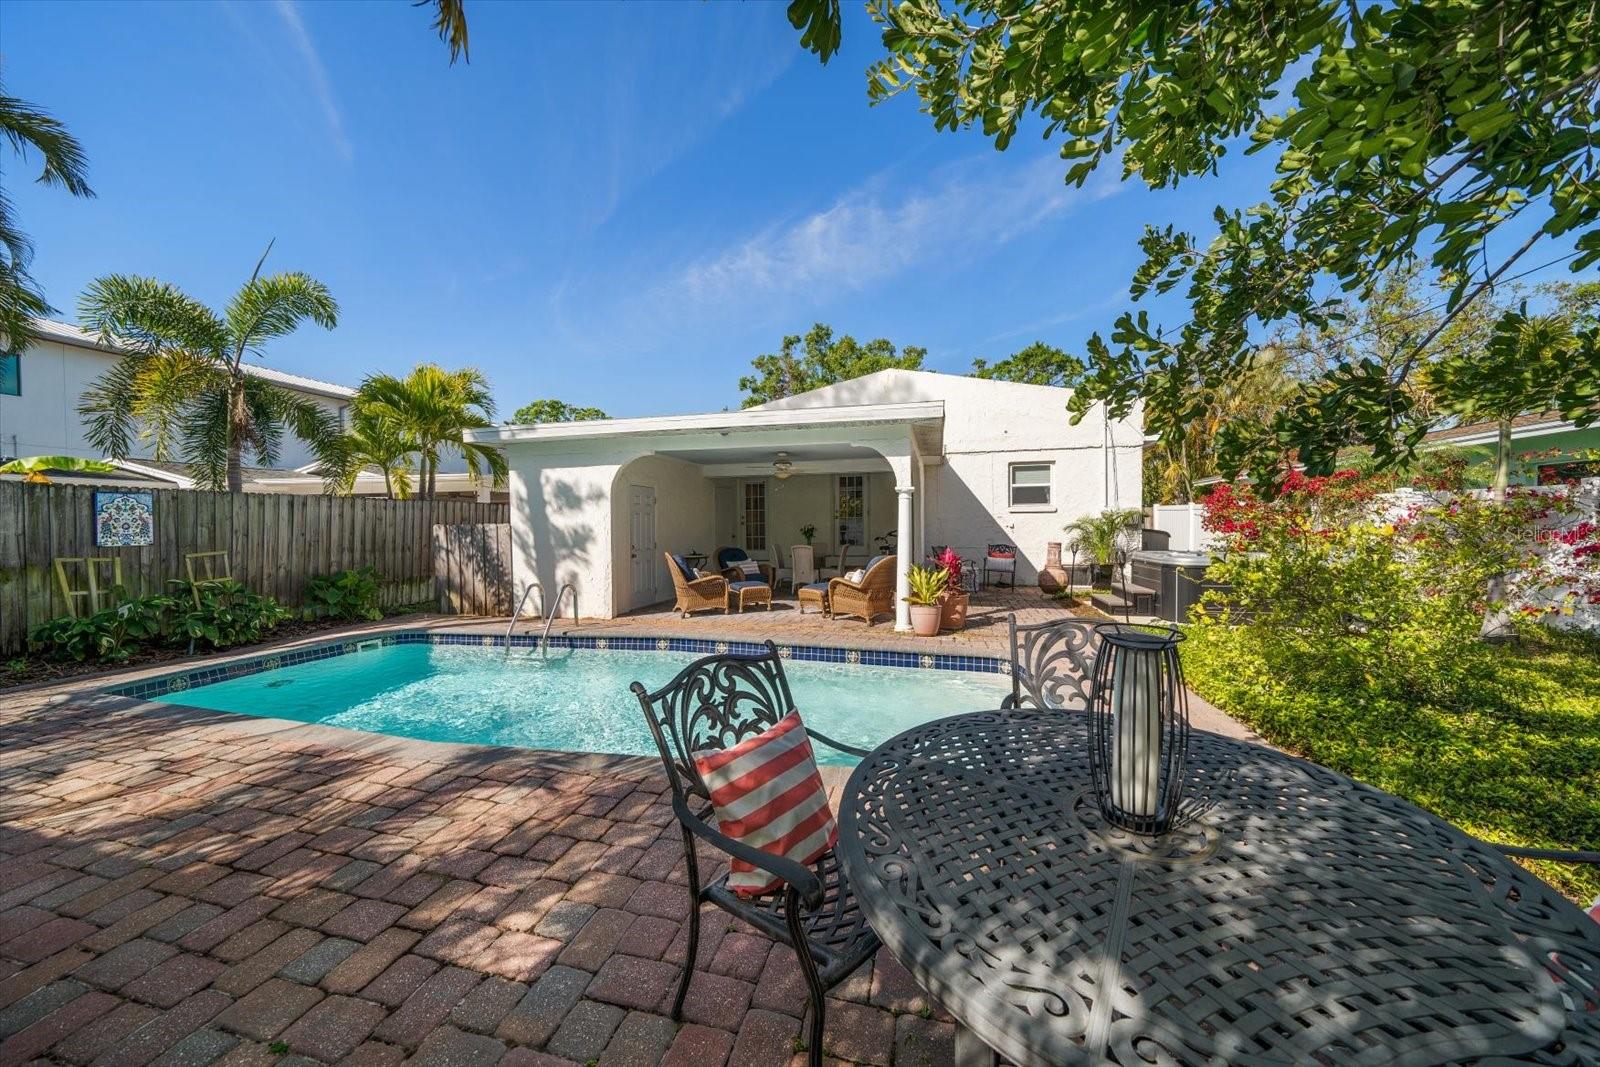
(926, 585)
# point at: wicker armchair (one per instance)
(696, 594)
(728, 559)
(872, 596)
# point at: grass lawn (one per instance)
(1519, 765)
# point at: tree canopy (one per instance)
(1038, 364)
(555, 411)
(818, 359)
(1460, 131)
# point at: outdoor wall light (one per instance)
(1138, 727)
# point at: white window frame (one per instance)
(1050, 485)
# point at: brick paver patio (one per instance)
(181, 887)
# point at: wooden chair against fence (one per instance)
(95, 594)
(206, 568)
(695, 594)
(868, 598)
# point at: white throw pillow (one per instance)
(749, 567)
(856, 575)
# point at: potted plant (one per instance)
(926, 585)
(953, 602)
(808, 531)
(1099, 537)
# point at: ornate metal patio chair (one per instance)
(714, 703)
(695, 594)
(1052, 664)
(872, 596)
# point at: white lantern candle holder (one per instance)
(1138, 727)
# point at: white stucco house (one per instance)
(919, 457)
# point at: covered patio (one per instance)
(600, 505)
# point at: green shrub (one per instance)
(111, 633)
(349, 594)
(229, 614)
(1351, 635)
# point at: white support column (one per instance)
(905, 536)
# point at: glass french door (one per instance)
(850, 506)
(755, 516)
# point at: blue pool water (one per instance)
(574, 700)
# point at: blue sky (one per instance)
(614, 205)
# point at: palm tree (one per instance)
(25, 127)
(1099, 536)
(450, 20)
(183, 387)
(376, 442)
(431, 407)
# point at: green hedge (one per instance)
(1518, 763)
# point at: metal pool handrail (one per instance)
(544, 647)
(516, 614)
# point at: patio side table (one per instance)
(1298, 918)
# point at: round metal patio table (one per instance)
(1298, 917)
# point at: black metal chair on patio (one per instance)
(714, 703)
(1052, 664)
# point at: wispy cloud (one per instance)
(898, 222)
(887, 226)
(317, 73)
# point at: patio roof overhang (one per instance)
(739, 442)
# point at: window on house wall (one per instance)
(10, 374)
(1030, 485)
(755, 516)
(851, 509)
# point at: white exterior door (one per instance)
(642, 544)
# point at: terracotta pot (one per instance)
(925, 620)
(953, 609)
(1053, 578)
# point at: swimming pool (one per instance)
(572, 699)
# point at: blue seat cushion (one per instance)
(729, 556)
(683, 568)
(871, 563)
(821, 587)
(747, 585)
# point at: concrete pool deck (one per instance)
(187, 887)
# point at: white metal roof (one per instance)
(66, 333)
(715, 422)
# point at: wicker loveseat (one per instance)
(872, 596)
(695, 594)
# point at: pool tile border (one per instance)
(178, 681)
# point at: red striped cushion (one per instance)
(766, 792)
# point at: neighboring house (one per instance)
(40, 389)
(1556, 450)
(913, 456)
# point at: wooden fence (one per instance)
(275, 543)
(472, 568)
